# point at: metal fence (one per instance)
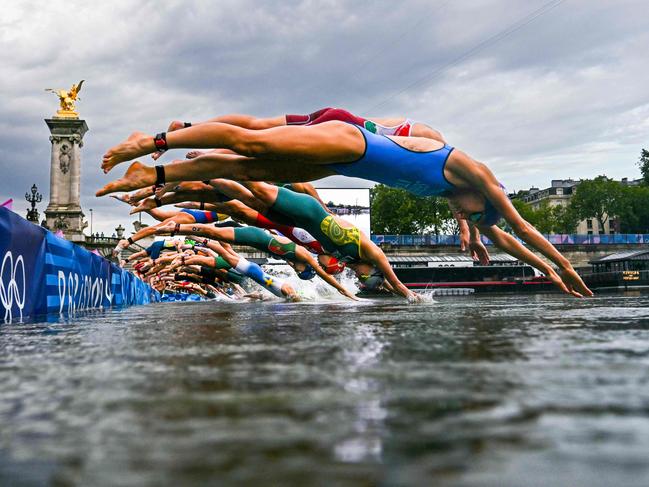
(562, 239)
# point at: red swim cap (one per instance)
(334, 266)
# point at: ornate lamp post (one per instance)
(91, 223)
(35, 197)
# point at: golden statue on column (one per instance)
(67, 99)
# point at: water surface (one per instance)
(497, 390)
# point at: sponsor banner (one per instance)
(568, 239)
(41, 273)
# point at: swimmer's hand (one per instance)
(121, 245)
(289, 293)
(478, 251)
(465, 239)
(415, 298)
(574, 284)
(348, 294)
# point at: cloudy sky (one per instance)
(537, 89)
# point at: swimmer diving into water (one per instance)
(305, 153)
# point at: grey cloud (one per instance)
(562, 97)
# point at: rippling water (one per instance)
(498, 390)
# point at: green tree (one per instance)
(565, 219)
(525, 210)
(643, 163)
(396, 211)
(546, 218)
(596, 198)
(541, 218)
(632, 210)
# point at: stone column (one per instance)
(64, 211)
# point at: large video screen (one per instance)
(349, 203)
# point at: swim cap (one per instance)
(491, 215)
(374, 280)
(334, 266)
(307, 274)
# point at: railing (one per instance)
(561, 239)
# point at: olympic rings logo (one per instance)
(10, 292)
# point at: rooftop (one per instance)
(626, 255)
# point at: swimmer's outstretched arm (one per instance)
(305, 256)
(528, 233)
(375, 255)
(513, 247)
(475, 246)
(464, 232)
(479, 177)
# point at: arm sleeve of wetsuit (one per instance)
(256, 273)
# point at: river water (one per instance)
(489, 391)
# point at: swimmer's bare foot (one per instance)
(192, 154)
(124, 198)
(137, 176)
(145, 205)
(137, 144)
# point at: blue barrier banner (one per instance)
(41, 273)
(559, 239)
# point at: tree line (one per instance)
(395, 211)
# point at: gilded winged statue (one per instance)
(67, 99)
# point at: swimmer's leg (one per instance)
(320, 144)
(273, 284)
(217, 166)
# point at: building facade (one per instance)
(559, 194)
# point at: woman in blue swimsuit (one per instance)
(305, 153)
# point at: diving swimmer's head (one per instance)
(330, 264)
(374, 281)
(370, 277)
(474, 207)
(307, 274)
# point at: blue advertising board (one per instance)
(41, 273)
